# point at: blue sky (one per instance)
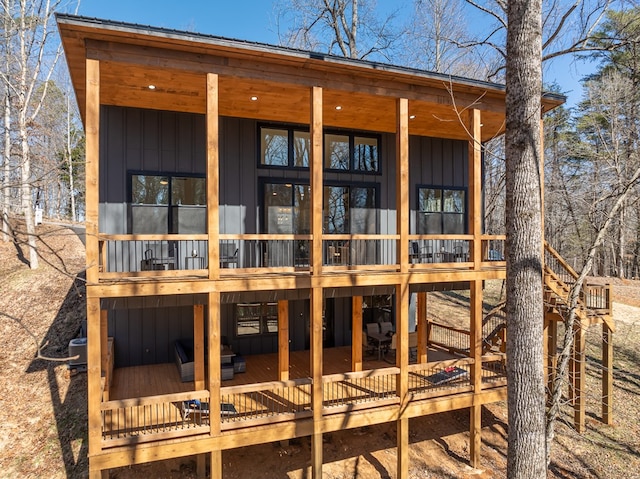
(254, 20)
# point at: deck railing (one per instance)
(452, 339)
(267, 402)
(493, 248)
(183, 255)
(494, 370)
(150, 418)
(359, 388)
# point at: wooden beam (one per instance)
(213, 176)
(356, 333)
(283, 340)
(94, 392)
(92, 169)
(607, 374)
(198, 347)
(316, 171)
(475, 185)
(317, 386)
(402, 182)
(422, 328)
(213, 323)
(402, 429)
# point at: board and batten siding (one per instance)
(170, 142)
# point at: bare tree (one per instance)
(30, 30)
(348, 28)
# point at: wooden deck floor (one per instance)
(157, 379)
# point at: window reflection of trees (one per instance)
(275, 147)
(365, 154)
(336, 209)
(150, 190)
(336, 151)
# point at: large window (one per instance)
(289, 147)
(284, 147)
(286, 207)
(162, 204)
(256, 318)
(350, 209)
(441, 211)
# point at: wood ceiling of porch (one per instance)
(134, 57)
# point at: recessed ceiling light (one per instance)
(411, 117)
(338, 107)
(151, 87)
(254, 98)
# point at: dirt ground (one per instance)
(43, 411)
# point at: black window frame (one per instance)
(171, 177)
(351, 134)
(264, 317)
(443, 188)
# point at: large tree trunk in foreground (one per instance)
(526, 393)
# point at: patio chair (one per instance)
(386, 327)
(228, 255)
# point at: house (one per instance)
(254, 215)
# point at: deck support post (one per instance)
(402, 431)
(475, 345)
(421, 325)
(201, 466)
(317, 386)
(316, 172)
(283, 340)
(552, 351)
(104, 353)
(214, 371)
(198, 347)
(94, 393)
(356, 333)
(580, 370)
(216, 464)
(475, 185)
(607, 374)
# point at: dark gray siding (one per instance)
(167, 142)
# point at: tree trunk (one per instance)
(526, 457)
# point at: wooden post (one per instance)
(104, 353)
(213, 176)
(402, 381)
(607, 374)
(317, 387)
(552, 352)
(356, 333)
(92, 169)
(475, 340)
(283, 340)
(475, 186)
(316, 172)
(402, 182)
(198, 347)
(402, 431)
(214, 372)
(423, 344)
(94, 393)
(580, 376)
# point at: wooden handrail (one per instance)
(159, 399)
(267, 386)
(360, 374)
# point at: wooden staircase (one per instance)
(593, 306)
(594, 300)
